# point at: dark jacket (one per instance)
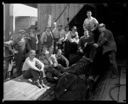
(107, 42)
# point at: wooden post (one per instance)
(6, 22)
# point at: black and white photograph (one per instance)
(65, 51)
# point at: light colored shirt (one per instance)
(56, 33)
(62, 33)
(73, 37)
(53, 60)
(67, 35)
(31, 64)
(90, 23)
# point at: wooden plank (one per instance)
(122, 91)
(102, 92)
(122, 96)
(123, 76)
(21, 89)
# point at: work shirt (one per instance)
(73, 37)
(107, 42)
(31, 64)
(85, 40)
(47, 39)
(56, 34)
(62, 60)
(90, 23)
(32, 43)
(53, 60)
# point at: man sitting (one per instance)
(34, 68)
(62, 59)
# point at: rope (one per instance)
(61, 13)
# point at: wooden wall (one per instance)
(55, 10)
(8, 20)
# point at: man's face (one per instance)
(48, 29)
(32, 54)
(101, 29)
(86, 34)
(59, 52)
(67, 28)
(59, 27)
(89, 14)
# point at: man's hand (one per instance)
(95, 45)
(65, 73)
(80, 50)
(85, 44)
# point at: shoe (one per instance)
(42, 84)
(37, 84)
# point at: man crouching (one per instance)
(34, 68)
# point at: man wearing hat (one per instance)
(107, 42)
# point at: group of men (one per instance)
(52, 58)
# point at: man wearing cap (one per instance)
(107, 42)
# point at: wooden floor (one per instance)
(102, 92)
(21, 89)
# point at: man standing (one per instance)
(107, 43)
(33, 41)
(90, 23)
(58, 33)
(47, 39)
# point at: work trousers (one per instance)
(31, 73)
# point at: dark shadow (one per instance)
(21, 79)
